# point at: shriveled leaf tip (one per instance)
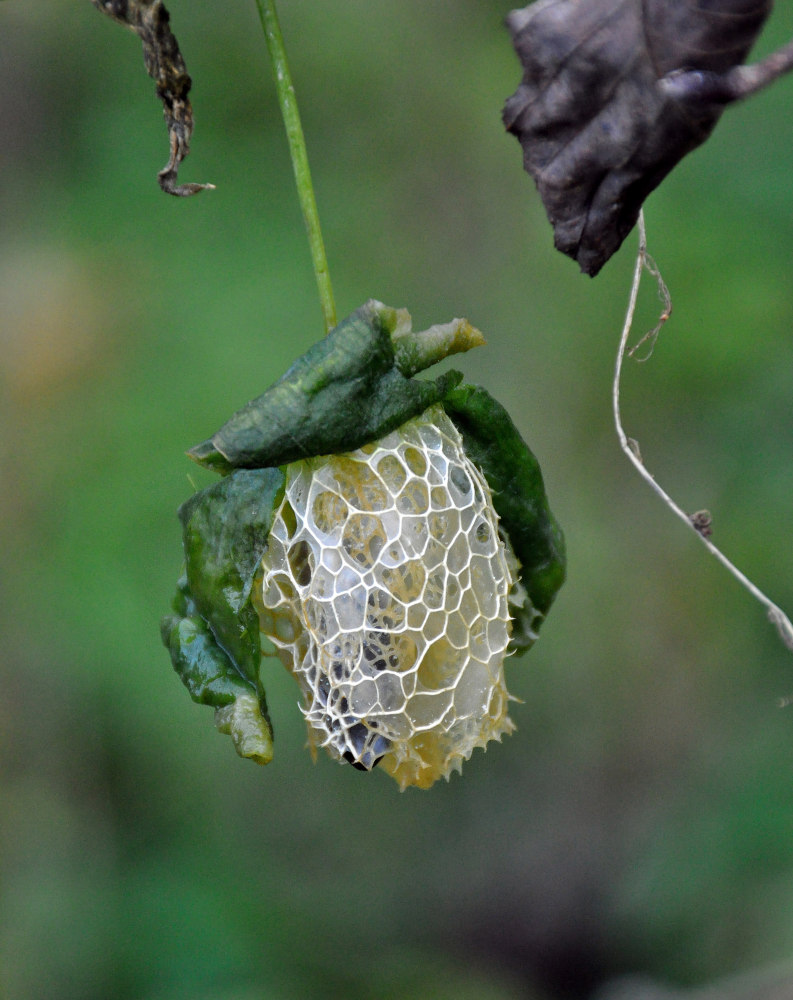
(150, 20)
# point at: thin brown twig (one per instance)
(699, 522)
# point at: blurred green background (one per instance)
(641, 819)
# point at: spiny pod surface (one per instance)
(384, 589)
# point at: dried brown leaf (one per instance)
(615, 93)
(164, 63)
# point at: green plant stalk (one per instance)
(297, 149)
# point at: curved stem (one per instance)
(630, 447)
(297, 150)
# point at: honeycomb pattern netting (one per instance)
(385, 591)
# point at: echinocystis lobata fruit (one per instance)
(390, 537)
(385, 591)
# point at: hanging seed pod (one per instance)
(389, 535)
(385, 590)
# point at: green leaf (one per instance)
(494, 445)
(213, 637)
(205, 668)
(347, 390)
(225, 529)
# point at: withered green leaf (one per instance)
(615, 93)
(212, 632)
(164, 63)
(350, 388)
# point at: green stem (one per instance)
(297, 150)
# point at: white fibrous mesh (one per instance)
(385, 586)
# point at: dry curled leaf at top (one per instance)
(164, 63)
(614, 94)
